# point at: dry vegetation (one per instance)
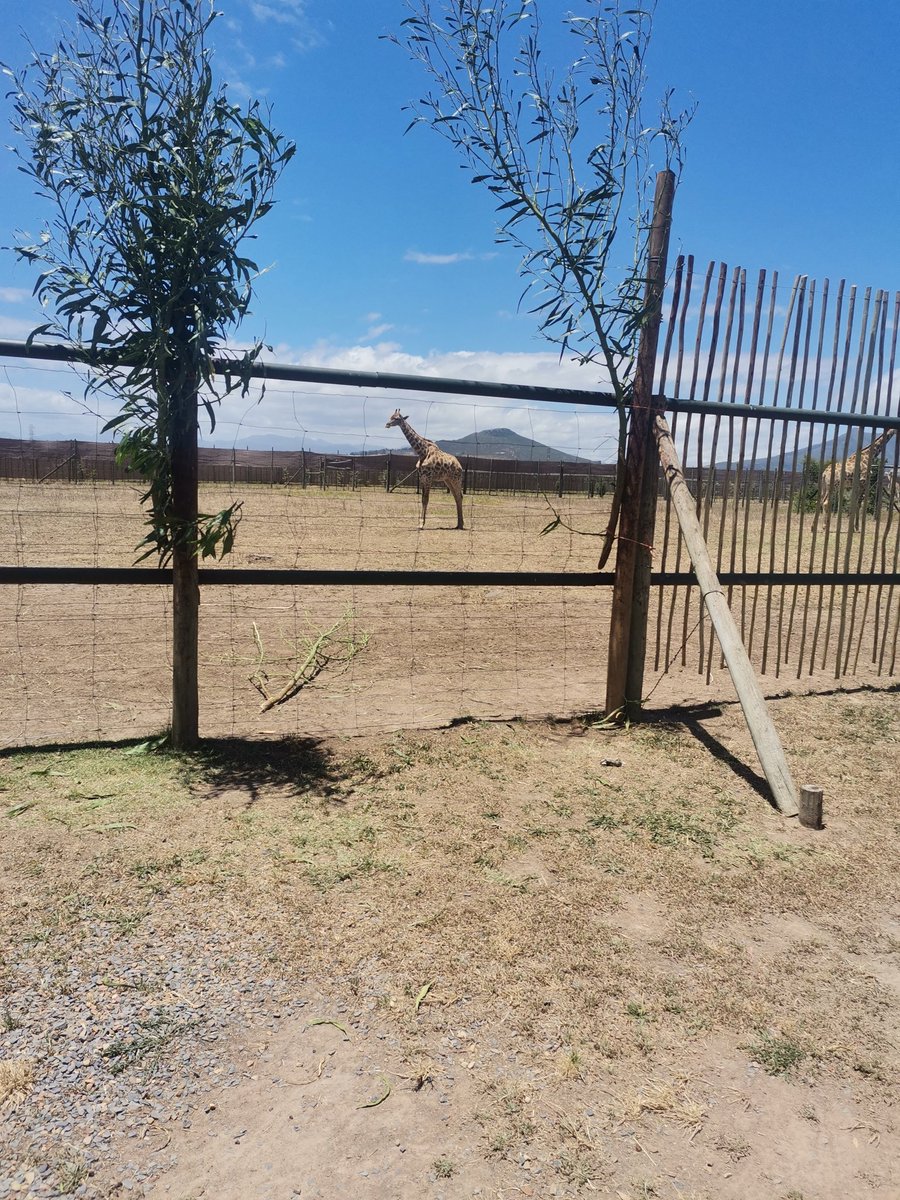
(626, 972)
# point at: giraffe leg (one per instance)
(426, 492)
(455, 487)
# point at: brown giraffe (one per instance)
(835, 478)
(434, 466)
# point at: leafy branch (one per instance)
(314, 655)
(154, 179)
(568, 162)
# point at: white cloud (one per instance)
(283, 12)
(323, 417)
(13, 295)
(15, 329)
(435, 260)
(442, 260)
(339, 417)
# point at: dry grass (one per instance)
(622, 934)
(620, 927)
(16, 1078)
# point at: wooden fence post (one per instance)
(631, 590)
(185, 580)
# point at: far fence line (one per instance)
(80, 461)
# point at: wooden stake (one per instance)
(762, 730)
(811, 806)
(185, 579)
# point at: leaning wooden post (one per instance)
(631, 591)
(762, 730)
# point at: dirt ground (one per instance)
(434, 654)
(512, 959)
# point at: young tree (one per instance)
(568, 161)
(154, 179)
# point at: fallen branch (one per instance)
(321, 652)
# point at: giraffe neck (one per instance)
(419, 444)
(875, 447)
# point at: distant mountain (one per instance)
(484, 444)
(821, 451)
(505, 443)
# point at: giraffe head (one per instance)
(395, 419)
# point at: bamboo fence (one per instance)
(780, 495)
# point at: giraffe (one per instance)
(434, 466)
(835, 478)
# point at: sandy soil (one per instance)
(435, 654)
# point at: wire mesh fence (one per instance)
(802, 518)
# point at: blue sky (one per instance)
(382, 253)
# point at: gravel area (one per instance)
(122, 1036)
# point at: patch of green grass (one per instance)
(776, 1055)
(147, 870)
(444, 1168)
(157, 1032)
(70, 1176)
(672, 826)
(638, 1010)
(8, 1021)
(124, 921)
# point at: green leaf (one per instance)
(422, 993)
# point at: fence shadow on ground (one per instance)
(691, 718)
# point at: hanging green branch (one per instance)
(154, 178)
(568, 162)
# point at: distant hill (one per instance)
(486, 443)
(821, 451)
(495, 443)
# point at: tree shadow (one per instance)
(293, 764)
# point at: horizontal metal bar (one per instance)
(212, 576)
(471, 387)
(357, 379)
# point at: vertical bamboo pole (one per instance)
(764, 734)
(631, 591)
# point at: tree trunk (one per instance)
(631, 591)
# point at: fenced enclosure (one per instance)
(769, 394)
(71, 461)
(810, 498)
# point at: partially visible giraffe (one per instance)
(434, 466)
(835, 478)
